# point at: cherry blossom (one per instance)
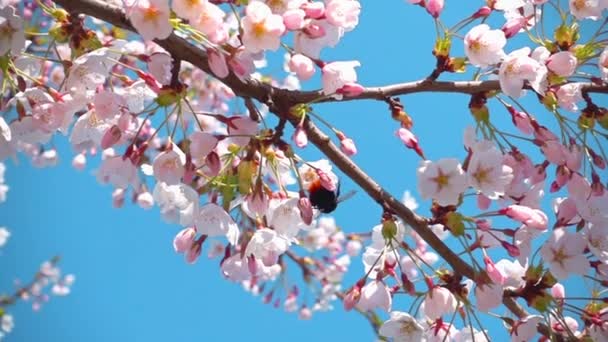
(209, 19)
(302, 66)
(484, 46)
(443, 181)
(343, 13)
(178, 203)
(564, 253)
(336, 75)
(266, 245)
(151, 18)
(375, 294)
(402, 327)
(487, 173)
(262, 29)
(438, 302)
(586, 9)
(169, 165)
(118, 171)
(563, 63)
(518, 67)
(12, 36)
(212, 220)
(603, 64)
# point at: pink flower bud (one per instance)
(314, 10)
(145, 200)
(495, 274)
(110, 137)
(306, 212)
(305, 313)
(351, 89)
(347, 146)
(511, 249)
(79, 162)
(352, 298)
(559, 292)
(184, 239)
(533, 218)
(409, 139)
(299, 137)
(482, 12)
(294, 19)
(193, 253)
(302, 66)
(434, 7)
(513, 26)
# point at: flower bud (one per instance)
(184, 239)
(299, 137)
(110, 137)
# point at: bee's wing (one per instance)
(346, 196)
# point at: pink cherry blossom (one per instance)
(145, 200)
(241, 126)
(401, 326)
(12, 35)
(488, 296)
(310, 44)
(178, 203)
(209, 19)
(586, 9)
(375, 295)
(188, 9)
(336, 75)
(118, 171)
(169, 165)
(563, 63)
(262, 29)
(159, 66)
(294, 19)
(299, 137)
(483, 46)
(487, 173)
(563, 253)
(201, 144)
(213, 220)
(568, 95)
(438, 302)
(151, 19)
(184, 239)
(443, 181)
(302, 66)
(518, 67)
(266, 245)
(343, 13)
(597, 240)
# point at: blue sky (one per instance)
(131, 286)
